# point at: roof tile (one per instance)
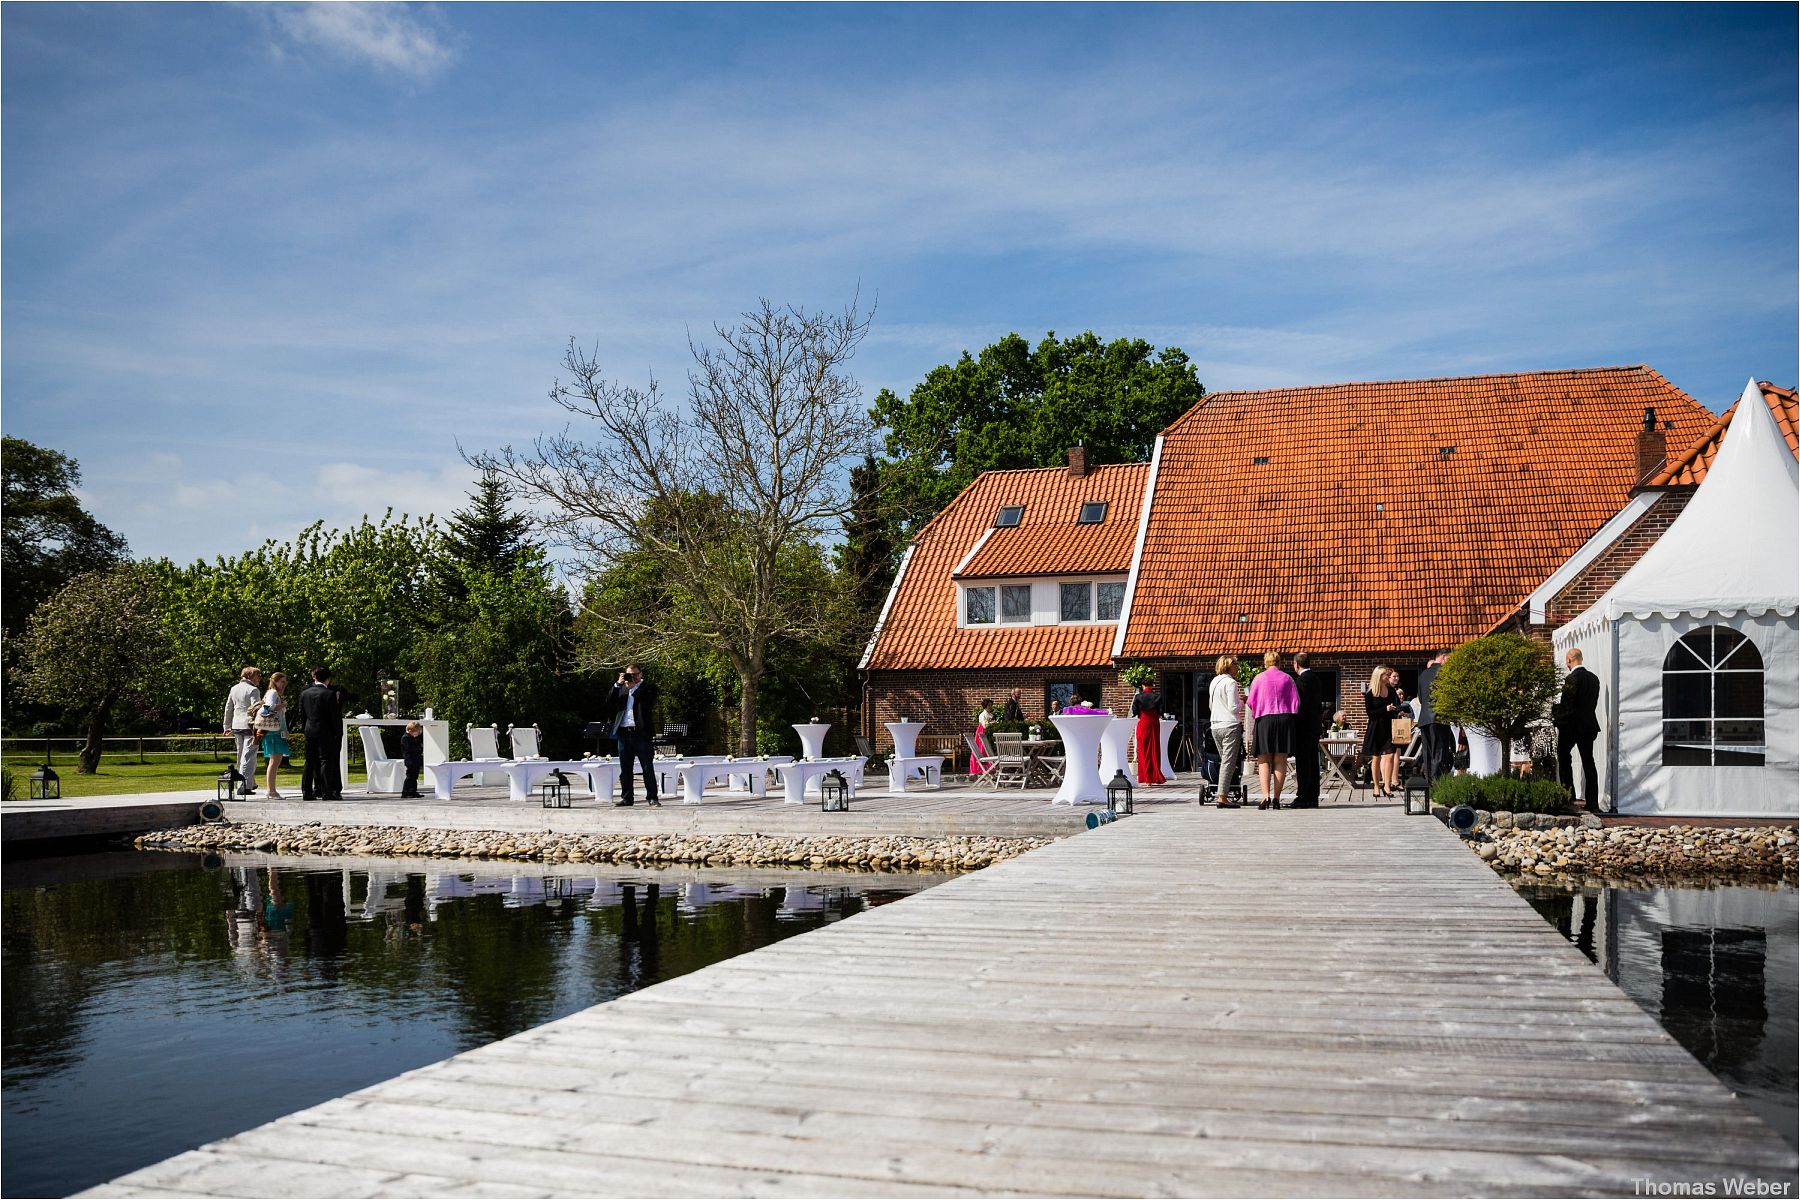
(1689, 467)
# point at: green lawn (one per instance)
(123, 775)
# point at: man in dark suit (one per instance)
(1439, 740)
(1308, 724)
(629, 707)
(1014, 711)
(322, 714)
(1577, 720)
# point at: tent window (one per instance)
(1713, 700)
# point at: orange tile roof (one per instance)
(1689, 467)
(921, 631)
(1359, 532)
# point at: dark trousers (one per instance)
(320, 776)
(634, 747)
(1565, 766)
(414, 767)
(1439, 746)
(1306, 769)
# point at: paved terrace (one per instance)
(1188, 1002)
(957, 808)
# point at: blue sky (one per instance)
(266, 264)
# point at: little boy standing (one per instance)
(412, 753)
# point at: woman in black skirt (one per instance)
(1381, 704)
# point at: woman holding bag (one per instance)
(271, 721)
(1381, 705)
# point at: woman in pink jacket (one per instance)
(1274, 699)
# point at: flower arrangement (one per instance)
(1140, 674)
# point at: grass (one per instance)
(123, 775)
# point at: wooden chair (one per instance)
(1011, 765)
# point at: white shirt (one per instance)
(629, 720)
(1226, 700)
(240, 705)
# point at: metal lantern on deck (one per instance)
(45, 784)
(231, 780)
(556, 793)
(834, 792)
(1118, 795)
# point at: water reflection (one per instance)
(1716, 966)
(156, 1001)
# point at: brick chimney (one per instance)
(1078, 464)
(1652, 446)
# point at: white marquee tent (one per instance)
(1698, 646)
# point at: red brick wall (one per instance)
(946, 701)
(1617, 559)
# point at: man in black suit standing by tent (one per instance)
(1308, 722)
(630, 704)
(1577, 721)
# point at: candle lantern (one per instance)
(45, 784)
(231, 780)
(390, 699)
(1118, 795)
(556, 793)
(834, 792)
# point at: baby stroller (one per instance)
(1209, 777)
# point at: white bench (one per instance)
(797, 776)
(899, 769)
(601, 774)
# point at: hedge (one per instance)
(1501, 793)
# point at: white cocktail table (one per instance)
(903, 770)
(812, 739)
(1115, 747)
(1081, 743)
(906, 737)
(1169, 726)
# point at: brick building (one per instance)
(1365, 523)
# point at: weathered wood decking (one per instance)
(1186, 1003)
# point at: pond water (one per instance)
(1715, 965)
(153, 1002)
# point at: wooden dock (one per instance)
(1189, 1002)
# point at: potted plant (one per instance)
(1140, 675)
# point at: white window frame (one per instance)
(1046, 601)
(1000, 612)
(1062, 605)
(993, 601)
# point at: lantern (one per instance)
(555, 793)
(230, 781)
(1118, 795)
(45, 784)
(390, 699)
(1421, 787)
(834, 792)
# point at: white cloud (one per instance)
(393, 37)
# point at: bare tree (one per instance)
(720, 493)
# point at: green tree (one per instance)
(1501, 684)
(46, 537)
(487, 535)
(98, 641)
(350, 599)
(1012, 406)
(748, 473)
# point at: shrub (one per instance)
(9, 786)
(1502, 683)
(1500, 793)
(1138, 674)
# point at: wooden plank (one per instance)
(1186, 1002)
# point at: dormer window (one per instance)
(1092, 513)
(1009, 516)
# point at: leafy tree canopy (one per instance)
(99, 640)
(1012, 406)
(48, 538)
(1502, 684)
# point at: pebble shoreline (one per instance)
(897, 853)
(1636, 853)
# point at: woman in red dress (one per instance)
(1146, 706)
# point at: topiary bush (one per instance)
(1501, 793)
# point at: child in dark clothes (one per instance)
(412, 753)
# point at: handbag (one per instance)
(267, 721)
(1403, 730)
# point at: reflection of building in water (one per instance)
(695, 897)
(798, 900)
(1717, 967)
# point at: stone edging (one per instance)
(1766, 854)
(893, 853)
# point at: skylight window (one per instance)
(1009, 516)
(1092, 513)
